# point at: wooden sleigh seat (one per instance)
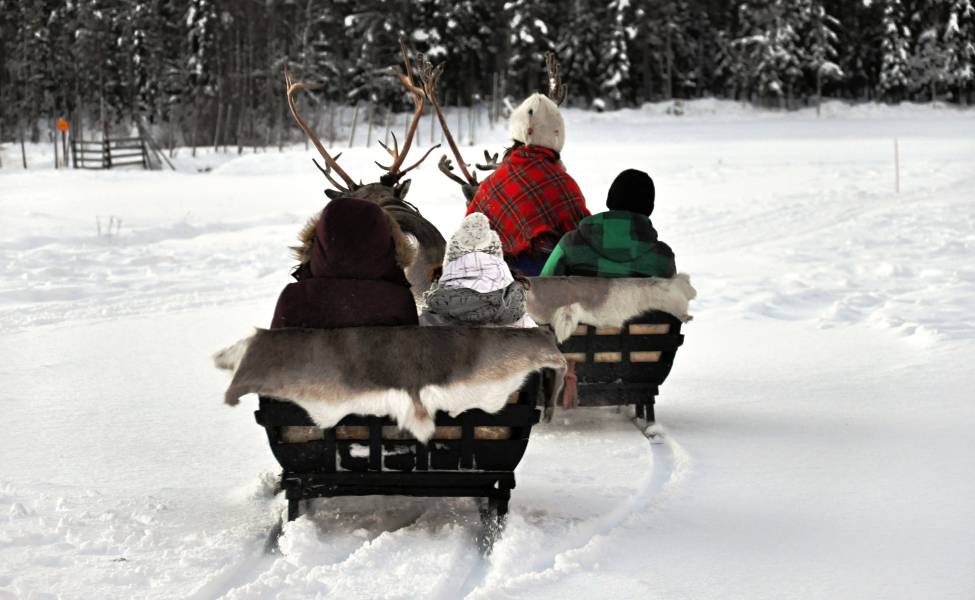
(471, 455)
(624, 365)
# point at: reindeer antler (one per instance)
(429, 76)
(447, 168)
(330, 163)
(556, 89)
(490, 162)
(393, 172)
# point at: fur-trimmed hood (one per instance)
(405, 246)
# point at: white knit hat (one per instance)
(475, 235)
(538, 122)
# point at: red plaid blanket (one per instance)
(528, 195)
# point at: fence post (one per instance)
(106, 147)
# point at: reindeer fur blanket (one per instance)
(408, 373)
(564, 302)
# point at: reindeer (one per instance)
(390, 191)
(469, 183)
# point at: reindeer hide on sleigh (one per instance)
(407, 373)
(565, 302)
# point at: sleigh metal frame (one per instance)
(624, 365)
(475, 455)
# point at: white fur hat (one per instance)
(475, 235)
(538, 122)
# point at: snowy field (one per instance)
(818, 423)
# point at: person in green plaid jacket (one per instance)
(620, 242)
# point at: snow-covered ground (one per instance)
(818, 421)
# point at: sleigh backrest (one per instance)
(641, 352)
(473, 440)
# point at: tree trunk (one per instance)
(23, 151)
(193, 120)
(226, 125)
(54, 138)
(371, 115)
(670, 66)
(173, 128)
(240, 130)
(819, 91)
(647, 76)
(355, 119)
(217, 128)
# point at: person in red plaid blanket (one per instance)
(530, 200)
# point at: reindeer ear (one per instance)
(333, 194)
(402, 189)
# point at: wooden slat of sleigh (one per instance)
(614, 357)
(300, 434)
(633, 329)
(452, 432)
(649, 328)
(645, 357)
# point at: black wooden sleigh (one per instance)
(471, 455)
(624, 365)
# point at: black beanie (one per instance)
(632, 190)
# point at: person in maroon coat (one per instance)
(351, 272)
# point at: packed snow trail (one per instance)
(820, 405)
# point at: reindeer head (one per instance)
(389, 189)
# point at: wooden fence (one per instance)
(110, 153)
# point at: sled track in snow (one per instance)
(670, 465)
(263, 556)
(468, 573)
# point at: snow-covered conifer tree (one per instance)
(531, 33)
(201, 22)
(894, 46)
(771, 42)
(820, 45)
(959, 39)
(614, 52)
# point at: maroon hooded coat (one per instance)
(351, 276)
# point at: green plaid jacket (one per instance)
(615, 243)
